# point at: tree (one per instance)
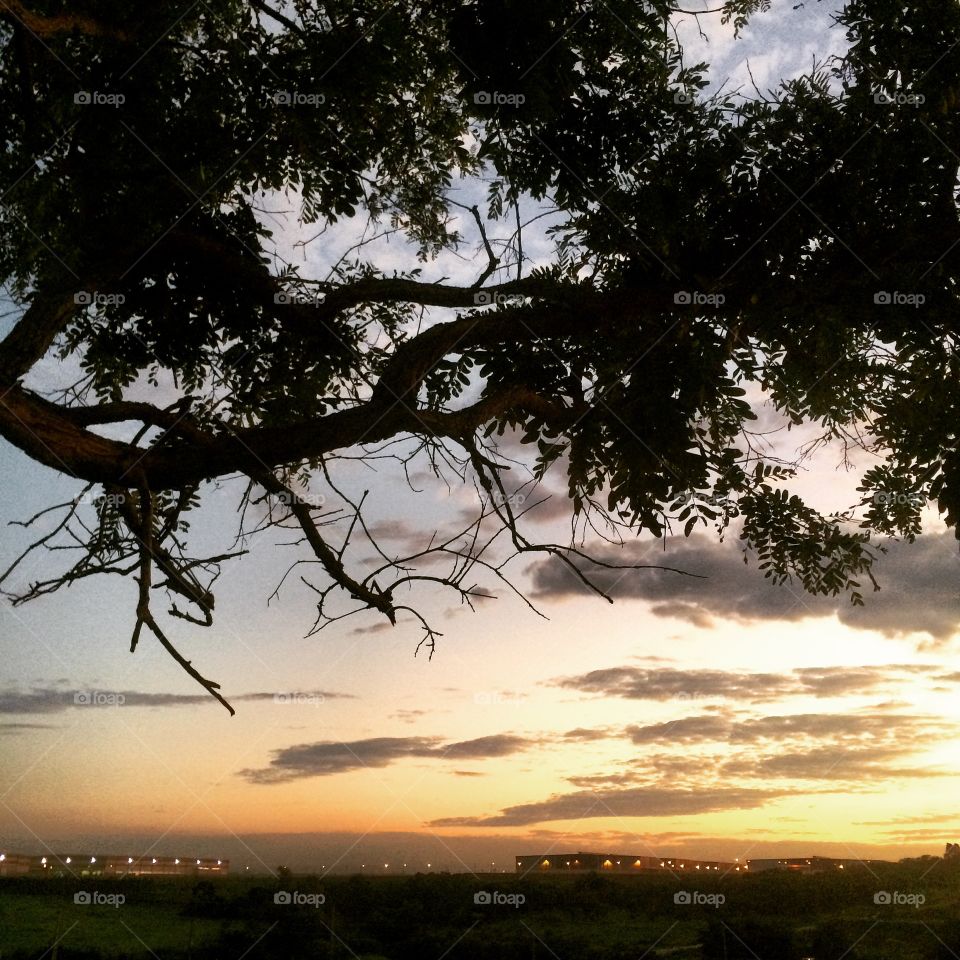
(804, 241)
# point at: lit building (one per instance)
(810, 864)
(619, 863)
(109, 865)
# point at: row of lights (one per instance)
(43, 860)
(638, 863)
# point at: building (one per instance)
(109, 865)
(810, 864)
(543, 863)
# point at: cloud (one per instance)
(633, 802)
(833, 762)
(329, 757)
(499, 745)
(681, 731)
(379, 627)
(920, 586)
(586, 735)
(12, 729)
(667, 683)
(56, 699)
(785, 727)
(408, 716)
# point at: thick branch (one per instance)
(48, 26)
(33, 334)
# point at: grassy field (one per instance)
(775, 916)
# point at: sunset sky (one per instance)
(714, 715)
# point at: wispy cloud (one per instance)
(328, 757)
(633, 802)
(667, 683)
(56, 699)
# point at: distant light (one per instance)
(93, 859)
(176, 861)
(218, 863)
(429, 865)
(154, 859)
(129, 859)
(3, 856)
(42, 859)
(198, 863)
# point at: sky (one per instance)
(712, 715)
